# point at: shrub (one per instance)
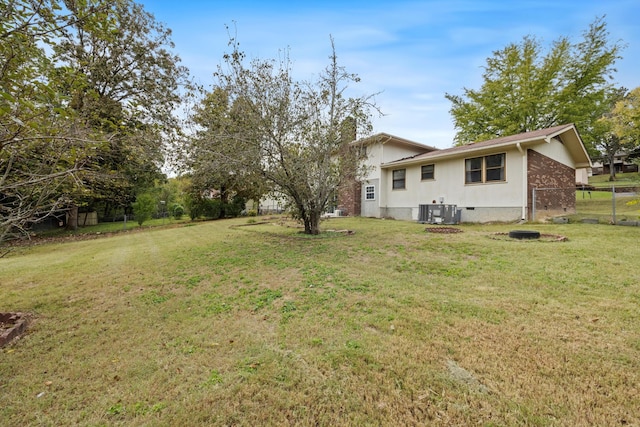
(177, 211)
(144, 207)
(235, 208)
(212, 208)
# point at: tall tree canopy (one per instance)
(126, 85)
(233, 169)
(288, 132)
(626, 118)
(87, 91)
(43, 147)
(525, 89)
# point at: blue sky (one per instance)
(413, 52)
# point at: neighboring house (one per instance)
(623, 162)
(486, 181)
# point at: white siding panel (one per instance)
(557, 151)
(449, 186)
(371, 208)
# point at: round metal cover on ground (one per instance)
(524, 234)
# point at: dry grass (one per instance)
(219, 325)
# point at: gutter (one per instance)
(524, 180)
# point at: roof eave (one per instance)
(384, 138)
(437, 155)
(582, 158)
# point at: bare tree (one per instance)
(295, 128)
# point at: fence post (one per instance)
(533, 205)
(613, 202)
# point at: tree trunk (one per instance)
(72, 222)
(105, 211)
(312, 223)
(224, 199)
(612, 168)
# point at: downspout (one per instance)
(524, 181)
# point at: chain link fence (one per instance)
(606, 205)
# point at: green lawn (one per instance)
(599, 205)
(225, 323)
(622, 180)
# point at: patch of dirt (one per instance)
(346, 232)
(443, 230)
(542, 238)
(38, 240)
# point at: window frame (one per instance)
(367, 192)
(484, 170)
(433, 172)
(501, 168)
(400, 181)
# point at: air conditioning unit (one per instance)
(438, 214)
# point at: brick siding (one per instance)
(349, 198)
(544, 172)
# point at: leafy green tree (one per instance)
(127, 86)
(525, 89)
(45, 150)
(626, 118)
(231, 169)
(293, 129)
(144, 207)
(611, 131)
(88, 92)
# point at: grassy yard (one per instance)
(226, 323)
(599, 205)
(629, 179)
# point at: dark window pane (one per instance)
(398, 178)
(427, 171)
(497, 160)
(398, 174)
(474, 176)
(495, 174)
(473, 164)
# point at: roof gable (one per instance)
(386, 138)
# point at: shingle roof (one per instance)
(505, 141)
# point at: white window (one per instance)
(370, 192)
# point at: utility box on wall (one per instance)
(438, 214)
